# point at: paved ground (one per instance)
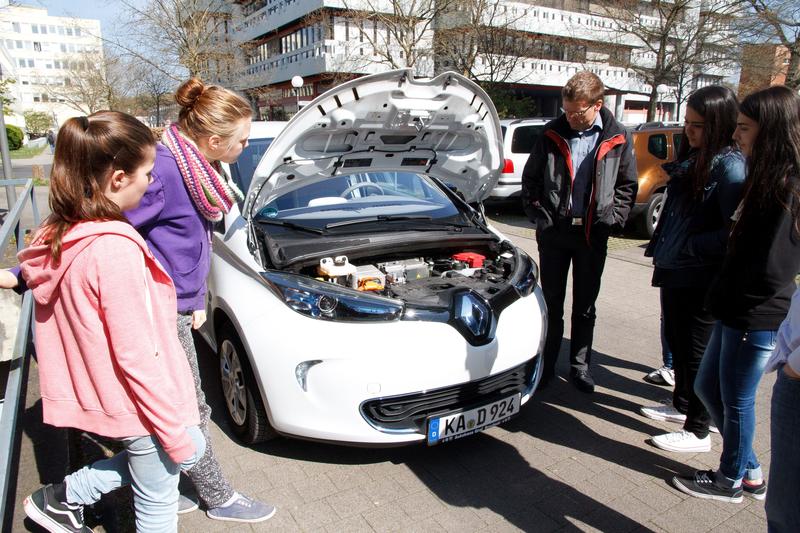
(569, 462)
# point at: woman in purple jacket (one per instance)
(190, 192)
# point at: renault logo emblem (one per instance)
(474, 313)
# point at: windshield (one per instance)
(370, 197)
(242, 170)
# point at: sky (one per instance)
(107, 11)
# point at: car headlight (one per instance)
(527, 275)
(326, 301)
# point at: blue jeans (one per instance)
(783, 497)
(726, 382)
(151, 473)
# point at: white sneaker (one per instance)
(661, 376)
(682, 441)
(665, 413)
(668, 375)
(713, 429)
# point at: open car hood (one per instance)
(446, 127)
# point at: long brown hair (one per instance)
(773, 168)
(719, 109)
(208, 110)
(88, 150)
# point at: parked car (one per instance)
(653, 148)
(355, 296)
(519, 136)
(657, 124)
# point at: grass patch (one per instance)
(27, 152)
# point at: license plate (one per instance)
(456, 425)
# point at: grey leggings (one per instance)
(209, 481)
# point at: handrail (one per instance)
(17, 385)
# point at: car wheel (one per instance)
(244, 408)
(650, 216)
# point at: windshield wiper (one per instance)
(289, 225)
(379, 218)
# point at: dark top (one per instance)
(689, 243)
(547, 177)
(755, 285)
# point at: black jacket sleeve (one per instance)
(533, 180)
(730, 185)
(627, 184)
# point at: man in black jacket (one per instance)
(579, 184)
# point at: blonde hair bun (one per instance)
(207, 110)
(189, 91)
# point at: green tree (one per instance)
(37, 122)
(5, 87)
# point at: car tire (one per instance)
(243, 406)
(649, 217)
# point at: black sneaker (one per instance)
(702, 485)
(43, 508)
(759, 492)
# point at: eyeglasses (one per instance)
(578, 113)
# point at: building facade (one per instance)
(763, 65)
(530, 47)
(47, 54)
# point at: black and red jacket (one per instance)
(548, 176)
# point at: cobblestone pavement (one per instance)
(568, 462)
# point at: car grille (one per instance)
(410, 411)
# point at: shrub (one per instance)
(15, 136)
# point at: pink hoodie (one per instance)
(106, 365)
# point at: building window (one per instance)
(43, 29)
(61, 30)
(30, 63)
(34, 28)
(15, 26)
(20, 45)
(21, 62)
(37, 47)
(69, 32)
(77, 32)
(36, 98)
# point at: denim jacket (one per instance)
(692, 233)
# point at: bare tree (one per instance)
(93, 81)
(481, 40)
(672, 40)
(153, 90)
(180, 36)
(776, 22)
(398, 33)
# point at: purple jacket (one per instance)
(176, 233)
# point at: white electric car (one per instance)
(357, 295)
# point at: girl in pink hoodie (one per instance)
(109, 359)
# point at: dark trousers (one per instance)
(560, 246)
(688, 329)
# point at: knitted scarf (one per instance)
(212, 193)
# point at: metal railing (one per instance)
(16, 388)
